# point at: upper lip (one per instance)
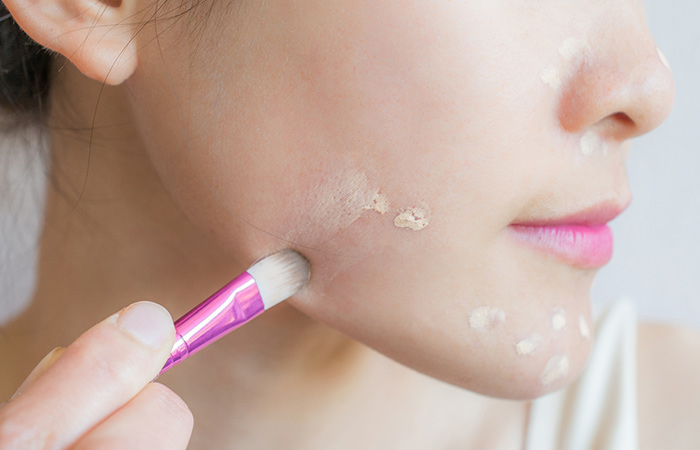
(597, 214)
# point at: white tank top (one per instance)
(599, 411)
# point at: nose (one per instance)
(624, 88)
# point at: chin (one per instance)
(429, 317)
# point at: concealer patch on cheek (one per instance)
(486, 318)
(528, 346)
(583, 328)
(414, 218)
(379, 203)
(341, 199)
(558, 319)
(336, 199)
(550, 76)
(557, 368)
(591, 143)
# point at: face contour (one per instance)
(395, 145)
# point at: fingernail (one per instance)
(46, 362)
(148, 322)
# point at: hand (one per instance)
(96, 392)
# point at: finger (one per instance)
(155, 419)
(46, 362)
(97, 374)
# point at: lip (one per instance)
(582, 239)
(598, 214)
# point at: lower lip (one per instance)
(579, 245)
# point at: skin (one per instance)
(271, 126)
(319, 108)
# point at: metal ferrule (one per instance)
(230, 307)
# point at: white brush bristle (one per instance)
(279, 276)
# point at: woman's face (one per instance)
(395, 144)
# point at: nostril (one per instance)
(623, 119)
(618, 125)
(624, 94)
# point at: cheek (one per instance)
(470, 316)
(396, 191)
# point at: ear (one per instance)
(95, 35)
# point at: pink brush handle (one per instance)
(230, 307)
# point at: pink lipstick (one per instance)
(582, 239)
(580, 245)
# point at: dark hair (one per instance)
(24, 74)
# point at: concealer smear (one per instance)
(486, 318)
(414, 219)
(340, 200)
(550, 77)
(583, 328)
(378, 203)
(557, 368)
(558, 319)
(528, 346)
(337, 199)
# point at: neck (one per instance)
(112, 236)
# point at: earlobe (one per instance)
(95, 35)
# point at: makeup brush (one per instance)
(266, 283)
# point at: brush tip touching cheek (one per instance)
(399, 163)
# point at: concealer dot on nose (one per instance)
(663, 59)
(550, 77)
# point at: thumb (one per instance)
(96, 375)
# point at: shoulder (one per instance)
(668, 386)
